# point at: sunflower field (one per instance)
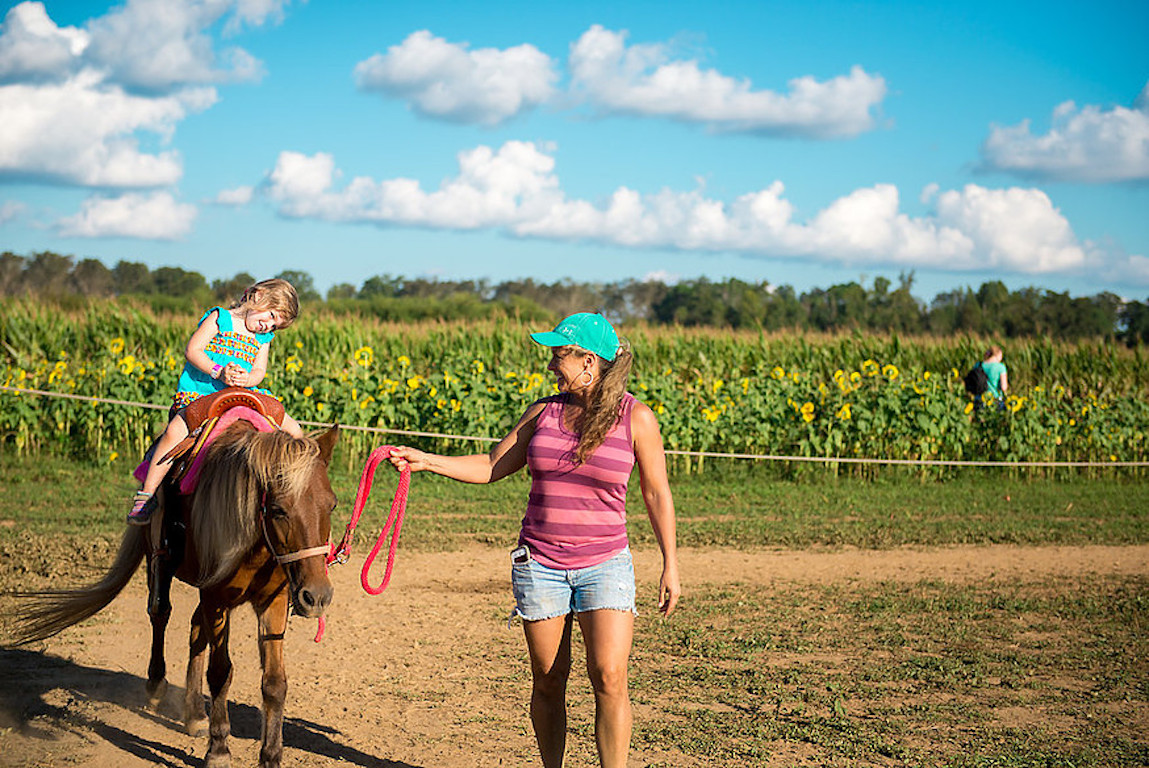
(844, 396)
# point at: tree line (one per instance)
(990, 310)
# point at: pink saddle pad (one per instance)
(232, 415)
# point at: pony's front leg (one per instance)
(195, 717)
(216, 623)
(272, 627)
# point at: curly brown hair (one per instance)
(275, 294)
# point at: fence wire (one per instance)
(669, 452)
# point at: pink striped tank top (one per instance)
(576, 513)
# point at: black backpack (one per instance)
(976, 382)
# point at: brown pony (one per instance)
(257, 530)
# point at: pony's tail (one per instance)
(51, 611)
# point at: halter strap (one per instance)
(323, 550)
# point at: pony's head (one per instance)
(267, 493)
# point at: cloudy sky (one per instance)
(801, 143)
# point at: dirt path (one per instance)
(427, 675)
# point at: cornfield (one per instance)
(852, 396)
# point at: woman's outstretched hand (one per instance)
(403, 456)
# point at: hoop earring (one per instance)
(589, 382)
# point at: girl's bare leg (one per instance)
(177, 430)
(291, 426)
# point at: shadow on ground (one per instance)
(43, 696)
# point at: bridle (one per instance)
(286, 559)
(290, 557)
(337, 555)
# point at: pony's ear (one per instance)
(327, 443)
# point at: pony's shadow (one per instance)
(27, 677)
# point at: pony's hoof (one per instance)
(218, 761)
(196, 726)
(156, 694)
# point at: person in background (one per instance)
(229, 348)
(573, 559)
(996, 374)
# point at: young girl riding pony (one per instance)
(228, 349)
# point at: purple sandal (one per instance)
(143, 505)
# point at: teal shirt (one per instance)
(994, 372)
(227, 346)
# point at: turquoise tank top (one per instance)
(227, 346)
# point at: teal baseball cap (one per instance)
(592, 332)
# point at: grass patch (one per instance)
(742, 508)
(1008, 673)
(1043, 674)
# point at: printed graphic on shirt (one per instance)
(235, 345)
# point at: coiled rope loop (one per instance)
(390, 529)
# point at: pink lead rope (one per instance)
(393, 526)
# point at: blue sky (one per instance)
(806, 144)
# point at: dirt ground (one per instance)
(426, 675)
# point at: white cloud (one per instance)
(1090, 144)
(83, 132)
(493, 189)
(156, 216)
(1014, 229)
(1129, 271)
(1134, 269)
(33, 48)
(255, 13)
(661, 276)
(642, 80)
(488, 86)
(445, 80)
(158, 45)
(76, 103)
(151, 46)
(10, 209)
(299, 182)
(515, 190)
(239, 196)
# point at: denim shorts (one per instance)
(544, 593)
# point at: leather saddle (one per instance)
(168, 532)
(202, 414)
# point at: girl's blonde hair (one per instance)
(604, 406)
(274, 294)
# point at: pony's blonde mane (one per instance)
(225, 513)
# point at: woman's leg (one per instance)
(549, 646)
(608, 635)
